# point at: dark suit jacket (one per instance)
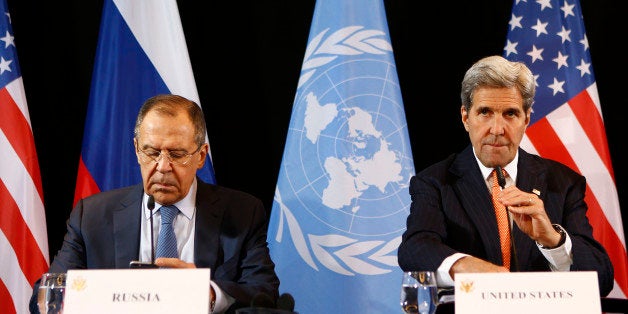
(103, 232)
(452, 212)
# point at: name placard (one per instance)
(137, 291)
(527, 292)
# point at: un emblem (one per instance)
(342, 190)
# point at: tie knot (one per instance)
(495, 172)
(168, 213)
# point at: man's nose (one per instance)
(497, 127)
(164, 164)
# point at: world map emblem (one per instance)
(342, 192)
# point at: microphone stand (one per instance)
(501, 180)
(150, 204)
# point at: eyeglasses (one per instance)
(175, 157)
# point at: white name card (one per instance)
(137, 291)
(527, 292)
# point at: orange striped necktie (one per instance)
(502, 220)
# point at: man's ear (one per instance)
(528, 116)
(464, 115)
(203, 152)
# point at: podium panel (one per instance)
(137, 291)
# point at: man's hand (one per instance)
(171, 262)
(528, 212)
(471, 264)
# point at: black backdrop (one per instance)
(246, 57)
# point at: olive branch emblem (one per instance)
(350, 40)
(338, 253)
(349, 252)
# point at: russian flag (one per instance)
(141, 52)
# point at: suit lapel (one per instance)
(531, 175)
(207, 229)
(126, 234)
(476, 201)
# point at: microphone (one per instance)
(500, 177)
(501, 180)
(285, 302)
(151, 205)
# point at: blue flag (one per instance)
(141, 52)
(342, 199)
(550, 38)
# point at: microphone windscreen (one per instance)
(262, 299)
(501, 180)
(285, 302)
(150, 203)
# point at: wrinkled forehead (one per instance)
(509, 97)
(166, 129)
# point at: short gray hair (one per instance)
(496, 71)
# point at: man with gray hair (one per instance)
(494, 207)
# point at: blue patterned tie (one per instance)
(167, 241)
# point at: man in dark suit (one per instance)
(453, 227)
(216, 227)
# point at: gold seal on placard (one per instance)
(79, 284)
(466, 286)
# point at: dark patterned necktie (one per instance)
(167, 241)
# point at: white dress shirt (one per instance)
(184, 226)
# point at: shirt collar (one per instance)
(510, 168)
(185, 206)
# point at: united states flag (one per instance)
(23, 239)
(567, 123)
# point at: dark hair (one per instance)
(169, 104)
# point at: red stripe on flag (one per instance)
(16, 128)
(590, 120)
(29, 256)
(7, 306)
(549, 145)
(603, 232)
(85, 184)
(593, 124)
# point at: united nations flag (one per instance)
(342, 199)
